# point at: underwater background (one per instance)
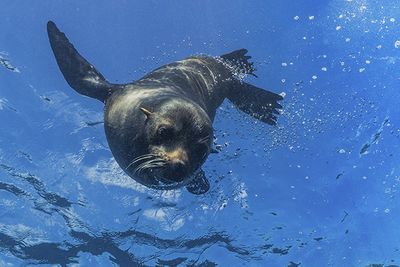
(318, 189)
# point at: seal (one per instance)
(159, 128)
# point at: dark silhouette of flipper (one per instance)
(259, 103)
(240, 61)
(199, 185)
(78, 72)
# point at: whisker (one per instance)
(149, 164)
(142, 157)
(145, 156)
(204, 139)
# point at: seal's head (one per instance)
(160, 143)
(179, 137)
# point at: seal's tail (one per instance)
(78, 72)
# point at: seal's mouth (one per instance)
(175, 167)
(164, 170)
(164, 167)
(168, 181)
(176, 170)
(172, 172)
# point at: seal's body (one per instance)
(159, 128)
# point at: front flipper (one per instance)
(199, 185)
(259, 103)
(77, 71)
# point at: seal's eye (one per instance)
(165, 132)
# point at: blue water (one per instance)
(318, 189)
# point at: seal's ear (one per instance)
(147, 112)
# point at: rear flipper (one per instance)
(199, 185)
(79, 73)
(238, 62)
(259, 103)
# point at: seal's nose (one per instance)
(177, 170)
(177, 166)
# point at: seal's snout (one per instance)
(177, 164)
(177, 170)
(177, 155)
